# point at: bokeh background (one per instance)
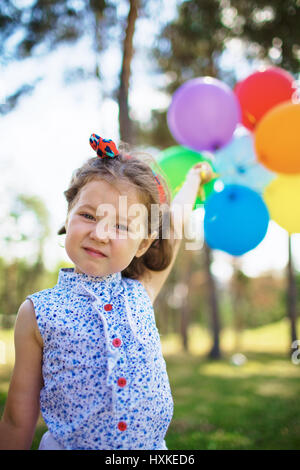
(228, 324)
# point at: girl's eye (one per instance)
(122, 227)
(91, 217)
(88, 216)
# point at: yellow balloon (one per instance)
(282, 196)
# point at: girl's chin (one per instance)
(87, 271)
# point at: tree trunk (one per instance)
(215, 352)
(124, 119)
(237, 306)
(187, 262)
(291, 295)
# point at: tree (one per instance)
(291, 294)
(124, 118)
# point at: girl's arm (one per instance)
(181, 209)
(22, 407)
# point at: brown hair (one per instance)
(134, 169)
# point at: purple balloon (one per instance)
(203, 114)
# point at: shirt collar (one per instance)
(82, 283)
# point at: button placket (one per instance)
(116, 377)
(113, 353)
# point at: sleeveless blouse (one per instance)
(105, 380)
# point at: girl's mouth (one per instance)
(95, 254)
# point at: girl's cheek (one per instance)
(120, 239)
(78, 224)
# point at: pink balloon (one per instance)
(203, 114)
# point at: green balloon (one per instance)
(175, 162)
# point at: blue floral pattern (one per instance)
(105, 379)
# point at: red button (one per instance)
(122, 382)
(116, 342)
(107, 307)
(122, 425)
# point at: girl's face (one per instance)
(102, 222)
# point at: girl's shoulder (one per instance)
(44, 304)
(26, 321)
(45, 294)
(139, 288)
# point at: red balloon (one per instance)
(236, 87)
(261, 91)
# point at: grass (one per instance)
(222, 406)
(219, 405)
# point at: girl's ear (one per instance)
(153, 237)
(145, 244)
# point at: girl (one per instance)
(88, 352)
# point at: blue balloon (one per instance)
(236, 220)
(237, 163)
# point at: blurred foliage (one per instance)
(12, 100)
(155, 132)
(48, 23)
(271, 26)
(191, 45)
(25, 221)
(256, 301)
(244, 302)
(34, 29)
(19, 279)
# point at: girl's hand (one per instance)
(203, 171)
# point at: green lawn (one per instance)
(222, 406)
(219, 405)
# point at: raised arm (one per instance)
(21, 412)
(181, 209)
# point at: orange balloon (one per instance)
(277, 138)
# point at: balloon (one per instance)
(175, 162)
(261, 91)
(237, 163)
(203, 114)
(277, 139)
(236, 87)
(236, 220)
(282, 197)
